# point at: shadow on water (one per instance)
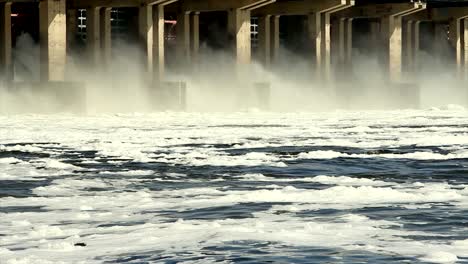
(250, 252)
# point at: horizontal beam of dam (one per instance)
(394, 27)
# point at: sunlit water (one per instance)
(334, 187)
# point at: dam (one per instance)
(169, 33)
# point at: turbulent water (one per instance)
(335, 187)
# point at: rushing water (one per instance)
(335, 187)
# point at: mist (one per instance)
(214, 83)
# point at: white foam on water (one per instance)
(332, 180)
(118, 216)
(348, 232)
(440, 257)
(329, 154)
(13, 169)
(22, 148)
(9, 160)
(129, 173)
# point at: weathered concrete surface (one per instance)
(112, 3)
(106, 35)
(320, 35)
(264, 43)
(315, 38)
(466, 47)
(275, 37)
(268, 39)
(456, 38)
(298, 7)
(455, 17)
(216, 5)
(345, 41)
(151, 32)
(239, 34)
(93, 35)
(392, 35)
(6, 64)
(195, 38)
(412, 45)
(53, 36)
(145, 31)
(183, 39)
(239, 23)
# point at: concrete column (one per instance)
(6, 64)
(315, 38)
(416, 44)
(409, 45)
(392, 33)
(72, 27)
(151, 30)
(239, 33)
(145, 30)
(158, 43)
(93, 35)
(345, 40)
(345, 44)
(53, 39)
(412, 29)
(457, 42)
(466, 47)
(349, 41)
(106, 37)
(342, 41)
(264, 39)
(336, 35)
(183, 39)
(195, 38)
(326, 45)
(274, 38)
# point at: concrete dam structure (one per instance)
(170, 33)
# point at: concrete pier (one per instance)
(466, 47)
(264, 42)
(325, 32)
(6, 64)
(183, 39)
(275, 38)
(105, 32)
(195, 38)
(412, 46)
(151, 32)
(393, 35)
(345, 41)
(238, 25)
(93, 35)
(239, 34)
(391, 30)
(320, 35)
(457, 40)
(318, 22)
(53, 36)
